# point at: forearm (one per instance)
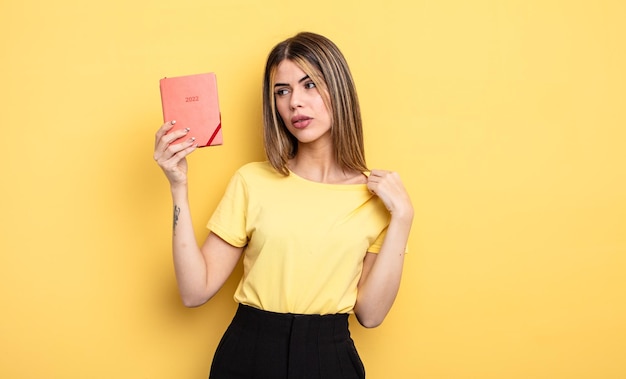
(189, 263)
(379, 289)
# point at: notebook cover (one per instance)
(192, 101)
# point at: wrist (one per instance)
(179, 190)
(402, 215)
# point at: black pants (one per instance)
(266, 345)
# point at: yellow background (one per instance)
(506, 120)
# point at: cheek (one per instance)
(320, 104)
(282, 108)
(322, 109)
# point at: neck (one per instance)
(319, 165)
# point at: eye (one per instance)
(281, 92)
(309, 85)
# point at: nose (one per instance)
(295, 100)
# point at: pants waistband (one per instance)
(263, 344)
(288, 323)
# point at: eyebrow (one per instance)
(286, 84)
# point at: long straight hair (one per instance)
(322, 61)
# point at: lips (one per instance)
(300, 121)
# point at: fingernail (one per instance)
(173, 122)
(186, 129)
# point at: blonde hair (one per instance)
(322, 61)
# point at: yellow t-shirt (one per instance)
(305, 241)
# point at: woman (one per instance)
(322, 236)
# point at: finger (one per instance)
(376, 172)
(165, 135)
(166, 140)
(163, 130)
(372, 186)
(385, 183)
(173, 161)
(167, 150)
(376, 176)
(174, 149)
(379, 174)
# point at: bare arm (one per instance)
(380, 279)
(200, 271)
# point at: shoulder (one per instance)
(257, 170)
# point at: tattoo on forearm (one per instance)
(176, 213)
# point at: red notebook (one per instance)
(192, 101)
